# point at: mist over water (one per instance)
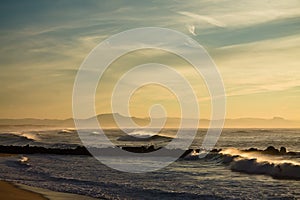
(236, 138)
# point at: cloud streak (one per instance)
(207, 19)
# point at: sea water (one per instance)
(183, 179)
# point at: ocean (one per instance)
(227, 174)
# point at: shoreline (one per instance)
(16, 191)
(52, 195)
(10, 191)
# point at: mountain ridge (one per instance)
(106, 120)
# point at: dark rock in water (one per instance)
(271, 150)
(151, 138)
(142, 149)
(282, 150)
(252, 149)
(79, 150)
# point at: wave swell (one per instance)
(280, 165)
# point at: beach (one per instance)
(9, 191)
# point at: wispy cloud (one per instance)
(263, 66)
(254, 43)
(203, 18)
(192, 29)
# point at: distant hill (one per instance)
(276, 122)
(107, 121)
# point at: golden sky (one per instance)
(255, 44)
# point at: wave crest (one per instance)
(261, 163)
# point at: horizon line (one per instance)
(257, 118)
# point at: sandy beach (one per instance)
(9, 191)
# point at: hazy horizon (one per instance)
(108, 121)
(71, 117)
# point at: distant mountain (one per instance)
(275, 122)
(107, 121)
(32, 121)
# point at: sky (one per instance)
(255, 44)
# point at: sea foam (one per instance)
(259, 163)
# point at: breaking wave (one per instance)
(15, 138)
(280, 166)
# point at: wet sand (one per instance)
(51, 195)
(9, 191)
